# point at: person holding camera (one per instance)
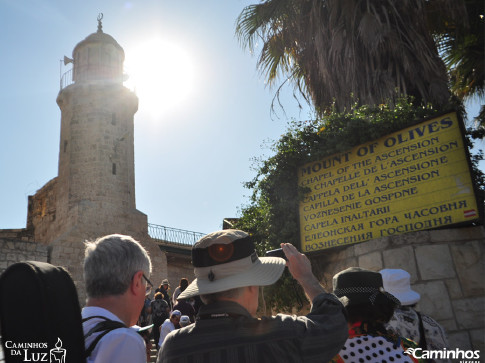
(228, 275)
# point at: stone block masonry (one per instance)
(69, 253)
(14, 250)
(446, 266)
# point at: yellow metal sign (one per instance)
(414, 179)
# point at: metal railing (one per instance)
(173, 235)
(91, 73)
(66, 79)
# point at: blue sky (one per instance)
(194, 145)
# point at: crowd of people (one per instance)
(369, 316)
(164, 313)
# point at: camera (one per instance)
(276, 253)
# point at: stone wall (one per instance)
(179, 266)
(14, 250)
(17, 245)
(41, 214)
(446, 266)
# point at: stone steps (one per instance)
(153, 354)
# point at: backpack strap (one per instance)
(422, 336)
(105, 327)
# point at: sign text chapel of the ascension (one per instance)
(415, 179)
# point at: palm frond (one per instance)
(337, 51)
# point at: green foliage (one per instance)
(272, 214)
(459, 35)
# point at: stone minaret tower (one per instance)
(96, 182)
(94, 193)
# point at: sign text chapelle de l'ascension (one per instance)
(414, 179)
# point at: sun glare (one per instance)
(162, 74)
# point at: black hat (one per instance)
(357, 286)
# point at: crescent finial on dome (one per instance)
(100, 25)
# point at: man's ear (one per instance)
(253, 289)
(137, 283)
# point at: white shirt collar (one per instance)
(96, 310)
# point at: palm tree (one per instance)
(342, 51)
(461, 42)
(460, 39)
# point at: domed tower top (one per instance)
(99, 57)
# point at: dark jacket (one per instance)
(186, 309)
(225, 332)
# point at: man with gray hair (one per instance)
(116, 271)
(228, 275)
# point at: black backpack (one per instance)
(40, 316)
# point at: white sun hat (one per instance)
(398, 283)
(225, 260)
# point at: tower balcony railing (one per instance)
(91, 73)
(173, 235)
(66, 79)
